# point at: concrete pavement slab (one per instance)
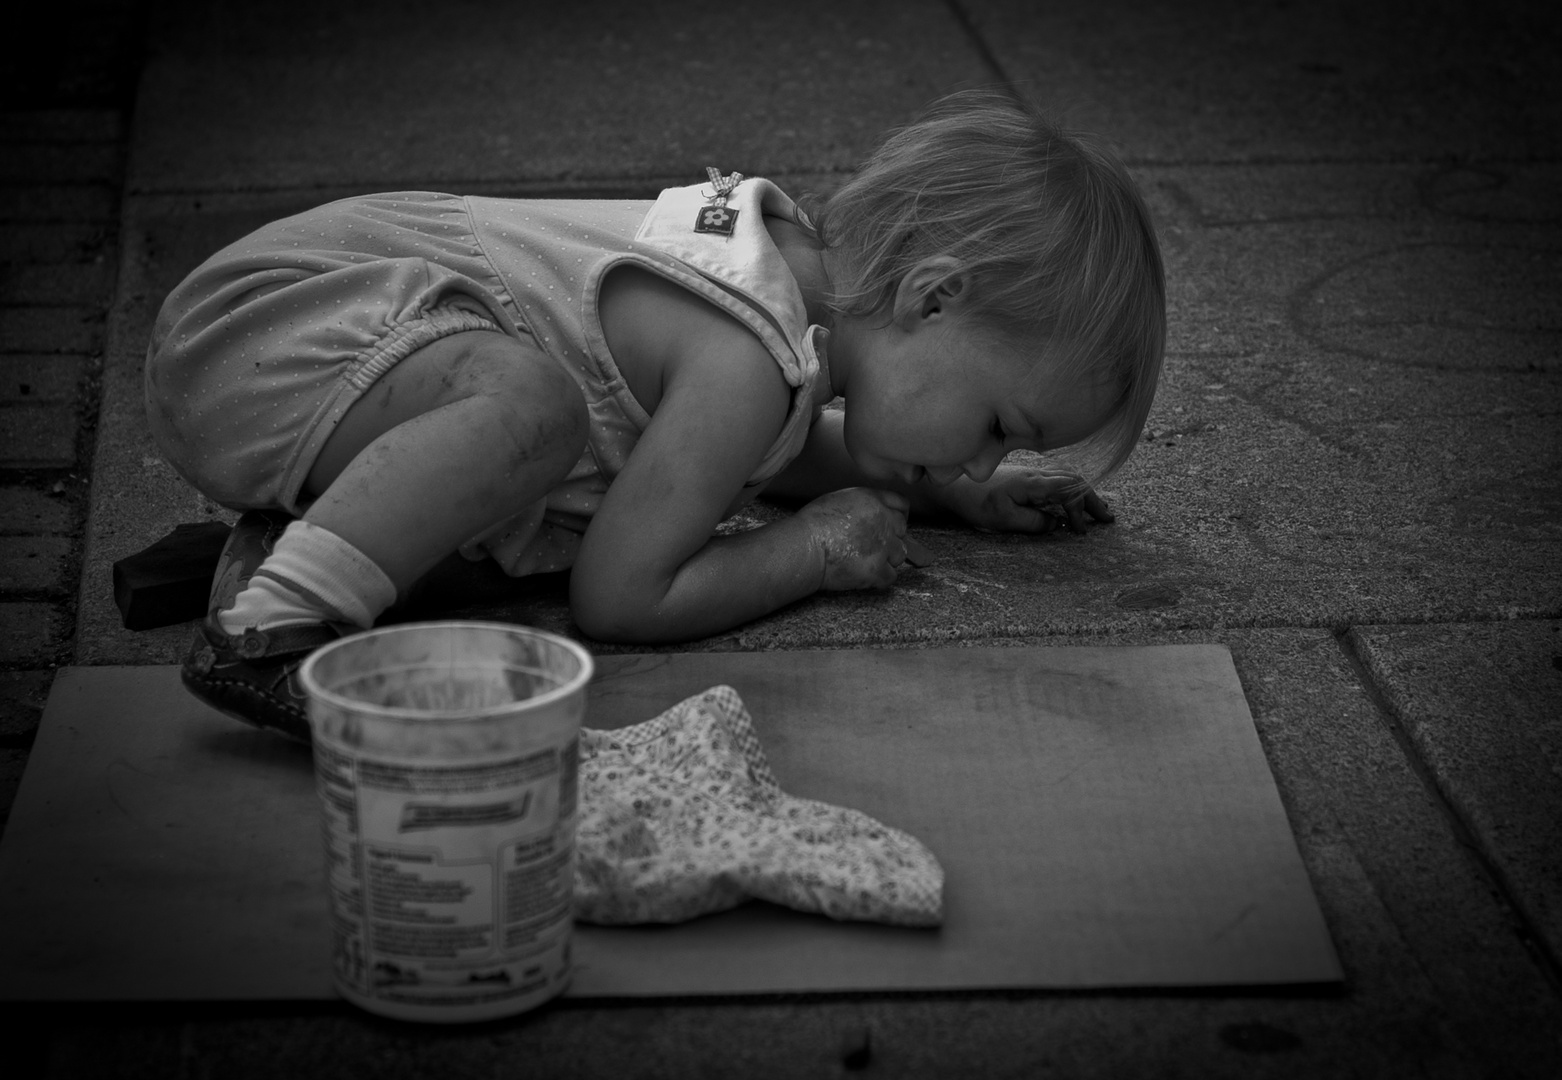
(1482, 706)
(1365, 261)
(1303, 464)
(391, 94)
(1498, 193)
(1438, 982)
(1221, 80)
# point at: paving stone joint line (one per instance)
(1501, 886)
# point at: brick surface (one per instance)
(61, 126)
(71, 163)
(37, 436)
(51, 329)
(31, 631)
(13, 764)
(60, 202)
(86, 283)
(35, 564)
(23, 695)
(31, 380)
(24, 510)
(76, 57)
(54, 242)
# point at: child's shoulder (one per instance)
(659, 333)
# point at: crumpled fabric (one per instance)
(681, 816)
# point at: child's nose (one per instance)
(981, 467)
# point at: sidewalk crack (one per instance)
(1501, 888)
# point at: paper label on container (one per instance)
(449, 878)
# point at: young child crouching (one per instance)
(595, 384)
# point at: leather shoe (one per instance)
(253, 676)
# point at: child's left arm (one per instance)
(1018, 498)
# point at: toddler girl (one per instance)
(595, 384)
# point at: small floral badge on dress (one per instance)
(717, 217)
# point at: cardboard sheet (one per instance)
(1105, 817)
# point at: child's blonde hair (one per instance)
(1056, 240)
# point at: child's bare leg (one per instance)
(460, 435)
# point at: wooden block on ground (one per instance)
(170, 581)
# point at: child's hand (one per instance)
(863, 534)
(1022, 498)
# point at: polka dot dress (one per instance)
(681, 816)
(258, 354)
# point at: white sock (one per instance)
(312, 575)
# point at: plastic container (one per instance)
(446, 760)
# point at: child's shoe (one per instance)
(253, 676)
(254, 536)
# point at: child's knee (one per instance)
(538, 407)
(555, 410)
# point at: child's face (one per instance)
(936, 399)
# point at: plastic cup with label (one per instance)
(446, 758)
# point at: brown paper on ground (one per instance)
(1105, 817)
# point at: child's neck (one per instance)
(804, 256)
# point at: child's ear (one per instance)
(931, 289)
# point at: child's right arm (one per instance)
(1016, 498)
(649, 569)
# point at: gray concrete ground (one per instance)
(1350, 475)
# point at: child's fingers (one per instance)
(1076, 515)
(1089, 503)
(893, 499)
(1032, 519)
(916, 553)
(1095, 505)
(1051, 487)
(1053, 490)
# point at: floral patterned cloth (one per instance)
(681, 816)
